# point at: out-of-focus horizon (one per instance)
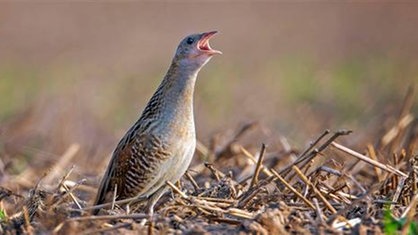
(82, 72)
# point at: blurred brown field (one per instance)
(74, 76)
(82, 72)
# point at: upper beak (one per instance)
(203, 43)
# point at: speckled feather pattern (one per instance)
(160, 145)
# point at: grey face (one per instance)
(188, 46)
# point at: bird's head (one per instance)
(194, 50)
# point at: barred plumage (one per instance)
(160, 145)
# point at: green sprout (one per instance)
(392, 225)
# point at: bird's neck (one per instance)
(173, 99)
(178, 85)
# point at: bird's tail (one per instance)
(104, 188)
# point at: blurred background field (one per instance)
(82, 72)
(75, 76)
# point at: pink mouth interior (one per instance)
(204, 44)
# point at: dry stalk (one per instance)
(212, 203)
(410, 210)
(240, 213)
(62, 163)
(218, 200)
(303, 155)
(316, 191)
(151, 227)
(27, 219)
(303, 159)
(290, 187)
(206, 206)
(58, 228)
(254, 161)
(177, 190)
(190, 178)
(204, 211)
(115, 192)
(65, 177)
(259, 165)
(372, 154)
(368, 160)
(395, 131)
(405, 117)
(319, 213)
(69, 192)
(398, 191)
(135, 216)
(218, 174)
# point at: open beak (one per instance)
(203, 44)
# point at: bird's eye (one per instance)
(190, 41)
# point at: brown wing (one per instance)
(109, 180)
(132, 167)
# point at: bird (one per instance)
(159, 147)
